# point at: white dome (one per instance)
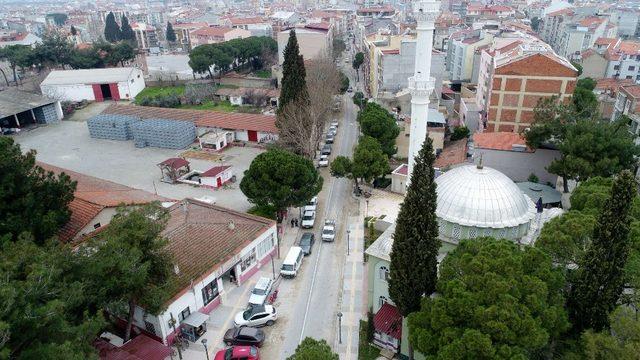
(484, 198)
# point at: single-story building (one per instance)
(94, 84)
(215, 140)
(213, 178)
(214, 249)
(249, 96)
(173, 168)
(20, 108)
(245, 127)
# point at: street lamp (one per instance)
(204, 343)
(366, 214)
(348, 232)
(273, 267)
(340, 328)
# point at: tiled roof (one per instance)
(203, 236)
(202, 118)
(318, 26)
(247, 21)
(498, 140)
(632, 90)
(211, 31)
(452, 154)
(402, 170)
(389, 321)
(141, 347)
(82, 212)
(214, 171)
(175, 163)
(605, 41)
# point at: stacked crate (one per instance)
(111, 126)
(164, 133)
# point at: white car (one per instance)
(333, 129)
(308, 219)
(329, 230)
(313, 203)
(324, 161)
(334, 124)
(257, 315)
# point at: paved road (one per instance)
(318, 286)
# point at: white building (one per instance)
(93, 84)
(312, 42)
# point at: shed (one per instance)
(173, 168)
(20, 108)
(94, 84)
(215, 140)
(216, 176)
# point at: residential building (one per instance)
(446, 24)
(581, 35)
(8, 38)
(146, 35)
(623, 60)
(607, 92)
(214, 35)
(476, 11)
(516, 72)
(628, 104)
(257, 26)
(552, 25)
(627, 19)
(313, 42)
(93, 84)
(285, 18)
(594, 64)
(376, 11)
(183, 32)
(460, 54)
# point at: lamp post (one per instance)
(348, 232)
(273, 267)
(340, 328)
(204, 343)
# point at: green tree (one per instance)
(280, 179)
(377, 122)
(58, 18)
(495, 301)
(341, 166)
(120, 54)
(86, 59)
(130, 264)
(599, 280)
(586, 83)
(338, 47)
(111, 29)
(621, 342)
(567, 237)
(459, 133)
(312, 349)
(535, 24)
(585, 102)
(415, 240)
(43, 314)
(294, 85)
(31, 199)
(358, 59)
(17, 56)
(344, 83)
(126, 32)
(170, 35)
(53, 50)
(578, 67)
(369, 161)
(200, 64)
(359, 99)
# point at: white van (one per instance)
(292, 262)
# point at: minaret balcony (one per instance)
(426, 10)
(421, 86)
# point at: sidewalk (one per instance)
(353, 304)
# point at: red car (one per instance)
(238, 353)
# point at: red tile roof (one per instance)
(202, 118)
(247, 21)
(498, 140)
(82, 212)
(402, 169)
(214, 171)
(389, 321)
(318, 26)
(141, 347)
(453, 153)
(632, 90)
(211, 31)
(175, 163)
(605, 41)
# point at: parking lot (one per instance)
(69, 146)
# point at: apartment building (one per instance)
(256, 25)
(146, 35)
(460, 54)
(312, 40)
(446, 24)
(623, 60)
(581, 35)
(214, 35)
(183, 32)
(628, 104)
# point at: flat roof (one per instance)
(14, 101)
(88, 76)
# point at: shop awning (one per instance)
(195, 319)
(389, 321)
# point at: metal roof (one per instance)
(535, 191)
(14, 101)
(196, 319)
(88, 76)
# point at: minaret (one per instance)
(421, 84)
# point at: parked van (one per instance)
(292, 262)
(260, 291)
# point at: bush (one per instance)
(268, 212)
(381, 182)
(459, 133)
(165, 101)
(533, 178)
(197, 94)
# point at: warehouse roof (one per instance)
(88, 76)
(13, 101)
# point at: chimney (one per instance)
(176, 269)
(231, 225)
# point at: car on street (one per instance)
(257, 315)
(329, 139)
(326, 149)
(308, 219)
(238, 353)
(334, 123)
(324, 161)
(329, 230)
(246, 336)
(306, 243)
(311, 205)
(350, 89)
(260, 291)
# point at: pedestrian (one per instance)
(297, 222)
(292, 222)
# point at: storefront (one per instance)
(194, 326)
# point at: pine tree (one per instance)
(126, 32)
(294, 85)
(73, 30)
(171, 35)
(599, 280)
(111, 28)
(415, 241)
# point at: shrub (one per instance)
(459, 133)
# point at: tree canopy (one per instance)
(377, 122)
(58, 18)
(170, 34)
(495, 301)
(255, 51)
(621, 342)
(294, 84)
(369, 161)
(280, 179)
(17, 56)
(126, 32)
(312, 349)
(112, 32)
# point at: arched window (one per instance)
(382, 300)
(383, 273)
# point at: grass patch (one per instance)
(265, 74)
(161, 90)
(366, 351)
(223, 106)
(268, 212)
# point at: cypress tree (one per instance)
(126, 32)
(599, 280)
(111, 28)
(171, 35)
(294, 84)
(415, 240)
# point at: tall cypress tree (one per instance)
(126, 32)
(171, 35)
(415, 241)
(599, 280)
(111, 28)
(294, 84)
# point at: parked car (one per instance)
(334, 123)
(260, 291)
(350, 89)
(332, 129)
(311, 205)
(329, 230)
(308, 219)
(246, 335)
(306, 242)
(238, 353)
(324, 161)
(326, 149)
(329, 139)
(256, 316)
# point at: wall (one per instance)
(311, 43)
(213, 181)
(250, 82)
(132, 88)
(75, 92)
(594, 66)
(104, 217)
(519, 165)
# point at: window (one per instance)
(382, 300)
(632, 68)
(265, 246)
(210, 291)
(184, 314)
(629, 77)
(616, 67)
(248, 260)
(149, 327)
(383, 273)
(96, 225)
